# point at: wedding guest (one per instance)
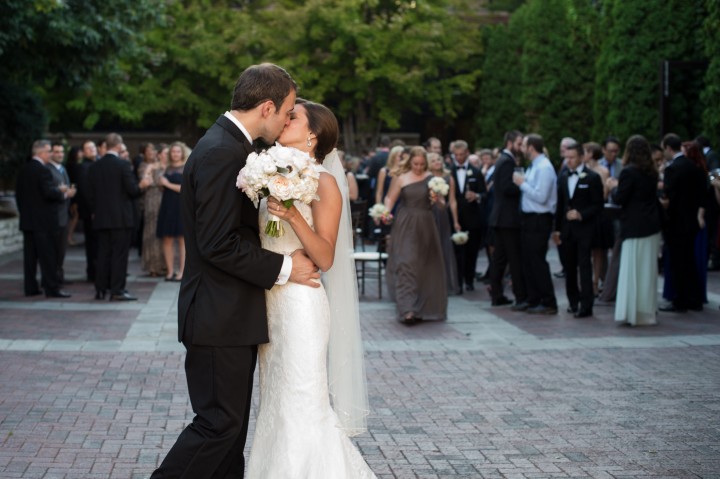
(153, 260)
(353, 190)
(433, 145)
(112, 190)
(611, 150)
(538, 188)
(488, 169)
(72, 164)
(580, 201)
(692, 151)
(470, 192)
(37, 199)
(712, 214)
(61, 178)
(636, 193)
(440, 210)
(85, 209)
(505, 224)
(169, 223)
(604, 238)
(386, 173)
(377, 161)
(564, 144)
(149, 157)
(415, 264)
(684, 195)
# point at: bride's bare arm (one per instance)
(319, 245)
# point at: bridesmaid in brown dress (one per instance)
(415, 268)
(153, 261)
(440, 211)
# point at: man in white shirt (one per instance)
(538, 200)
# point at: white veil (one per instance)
(346, 370)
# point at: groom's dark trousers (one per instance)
(221, 307)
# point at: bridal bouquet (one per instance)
(287, 174)
(460, 238)
(439, 186)
(380, 214)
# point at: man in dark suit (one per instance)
(377, 161)
(505, 222)
(60, 177)
(85, 210)
(685, 186)
(469, 191)
(112, 190)
(580, 202)
(37, 199)
(221, 309)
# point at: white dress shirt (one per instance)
(574, 178)
(539, 191)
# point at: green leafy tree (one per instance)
(636, 38)
(711, 93)
(48, 48)
(374, 60)
(557, 68)
(499, 107)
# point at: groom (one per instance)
(221, 308)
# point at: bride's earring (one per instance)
(309, 143)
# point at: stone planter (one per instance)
(11, 239)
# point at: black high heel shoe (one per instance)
(99, 294)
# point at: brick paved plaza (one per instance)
(92, 389)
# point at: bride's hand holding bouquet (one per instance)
(285, 174)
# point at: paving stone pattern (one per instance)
(92, 389)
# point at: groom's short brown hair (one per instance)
(259, 83)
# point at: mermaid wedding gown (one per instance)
(297, 434)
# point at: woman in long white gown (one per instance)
(298, 434)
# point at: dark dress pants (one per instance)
(466, 257)
(688, 293)
(579, 257)
(220, 384)
(507, 250)
(536, 229)
(113, 251)
(91, 248)
(60, 239)
(39, 246)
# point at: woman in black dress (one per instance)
(169, 223)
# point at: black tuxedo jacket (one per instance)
(685, 186)
(506, 202)
(60, 178)
(112, 188)
(37, 197)
(587, 199)
(82, 173)
(222, 295)
(636, 193)
(469, 213)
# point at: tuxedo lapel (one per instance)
(231, 128)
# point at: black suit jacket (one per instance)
(222, 295)
(587, 199)
(506, 202)
(112, 188)
(37, 197)
(636, 193)
(469, 213)
(82, 173)
(685, 186)
(60, 178)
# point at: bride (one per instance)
(315, 350)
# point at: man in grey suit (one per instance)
(60, 177)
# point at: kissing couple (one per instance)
(247, 296)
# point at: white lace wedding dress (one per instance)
(297, 434)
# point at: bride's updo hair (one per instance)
(323, 123)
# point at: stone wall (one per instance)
(11, 239)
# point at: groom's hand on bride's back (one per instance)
(304, 270)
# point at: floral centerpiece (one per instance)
(287, 174)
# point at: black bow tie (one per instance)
(573, 172)
(461, 167)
